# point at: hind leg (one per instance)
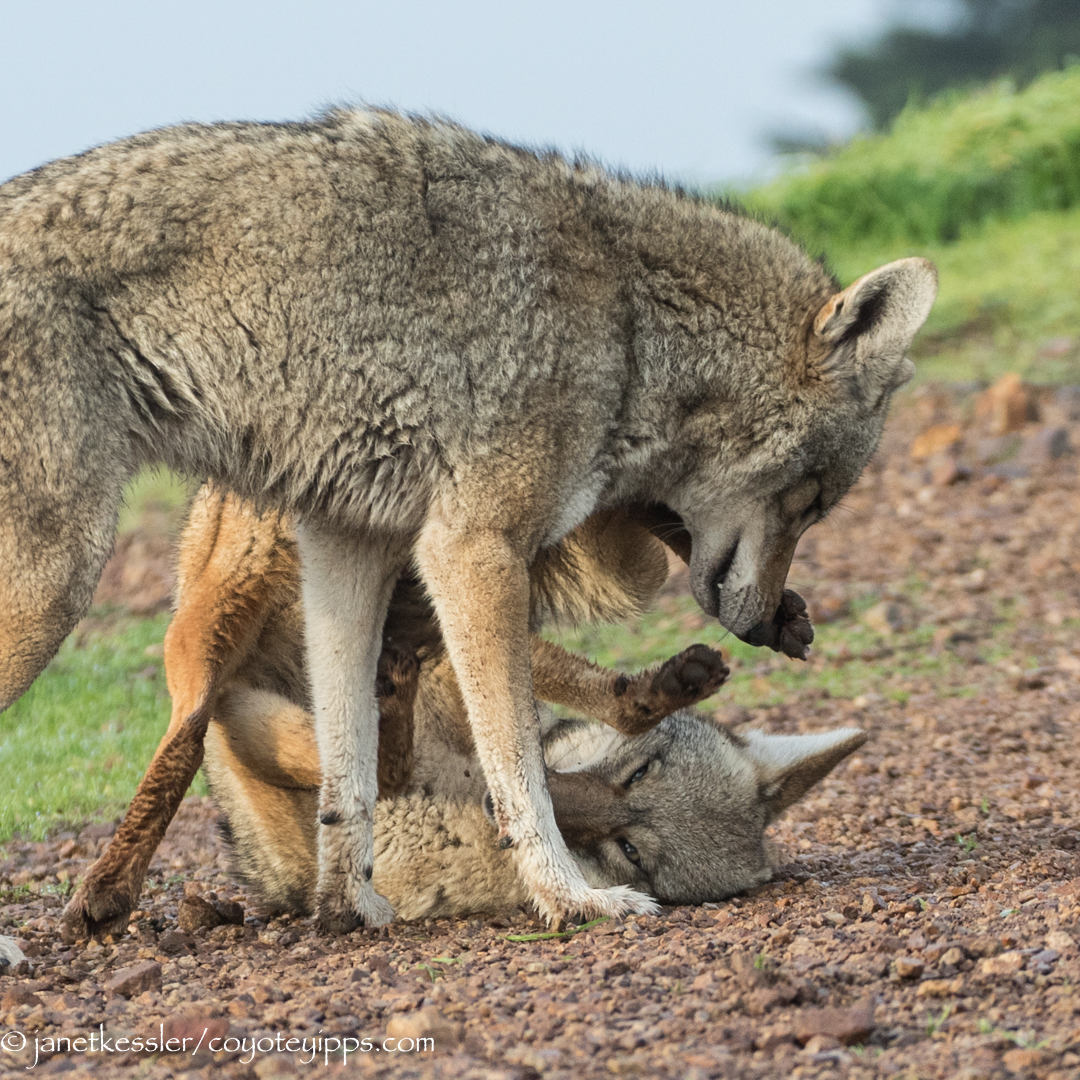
(235, 568)
(347, 582)
(109, 892)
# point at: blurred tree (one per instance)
(986, 40)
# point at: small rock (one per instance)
(1007, 405)
(1007, 963)
(1023, 1061)
(1046, 445)
(952, 956)
(175, 944)
(194, 913)
(1059, 940)
(134, 980)
(851, 1025)
(936, 440)
(940, 988)
(16, 996)
(818, 1044)
(834, 918)
(1046, 956)
(907, 967)
(230, 912)
(871, 902)
(426, 1023)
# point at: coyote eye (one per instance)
(637, 776)
(629, 851)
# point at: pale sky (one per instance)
(688, 88)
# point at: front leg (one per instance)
(632, 704)
(347, 582)
(479, 581)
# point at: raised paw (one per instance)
(691, 676)
(682, 681)
(789, 630)
(796, 629)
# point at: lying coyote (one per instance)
(679, 811)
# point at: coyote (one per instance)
(238, 631)
(680, 811)
(439, 351)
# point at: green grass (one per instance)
(75, 745)
(760, 677)
(966, 158)
(987, 185)
(154, 492)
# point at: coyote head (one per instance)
(680, 812)
(800, 411)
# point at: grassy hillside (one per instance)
(987, 185)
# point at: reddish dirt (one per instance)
(924, 920)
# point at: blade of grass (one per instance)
(556, 933)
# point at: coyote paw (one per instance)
(796, 629)
(789, 631)
(346, 898)
(337, 916)
(96, 909)
(691, 676)
(589, 904)
(682, 681)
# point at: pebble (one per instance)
(1007, 963)
(134, 980)
(1060, 940)
(940, 988)
(422, 1024)
(195, 913)
(851, 1025)
(907, 967)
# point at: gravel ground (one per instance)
(925, 916)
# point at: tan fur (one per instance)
(236, 647)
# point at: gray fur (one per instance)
(437, 343)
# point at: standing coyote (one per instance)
(437, 350)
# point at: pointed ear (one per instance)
(790, 765)
(860, 335)
(576, 745)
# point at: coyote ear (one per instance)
(860, 335)
(790, 765)
(576, 745)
